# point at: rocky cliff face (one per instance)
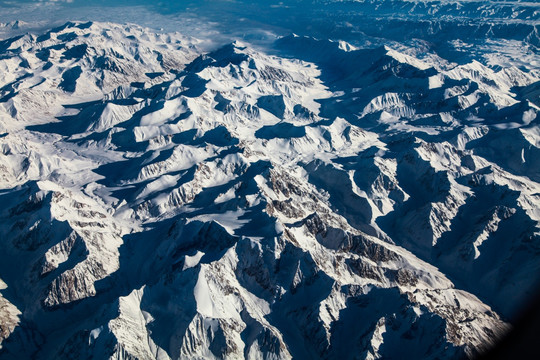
(164, 202)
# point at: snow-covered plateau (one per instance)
(314, 199)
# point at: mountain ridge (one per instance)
(239, 204)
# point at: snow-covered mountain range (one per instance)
(312, 200)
